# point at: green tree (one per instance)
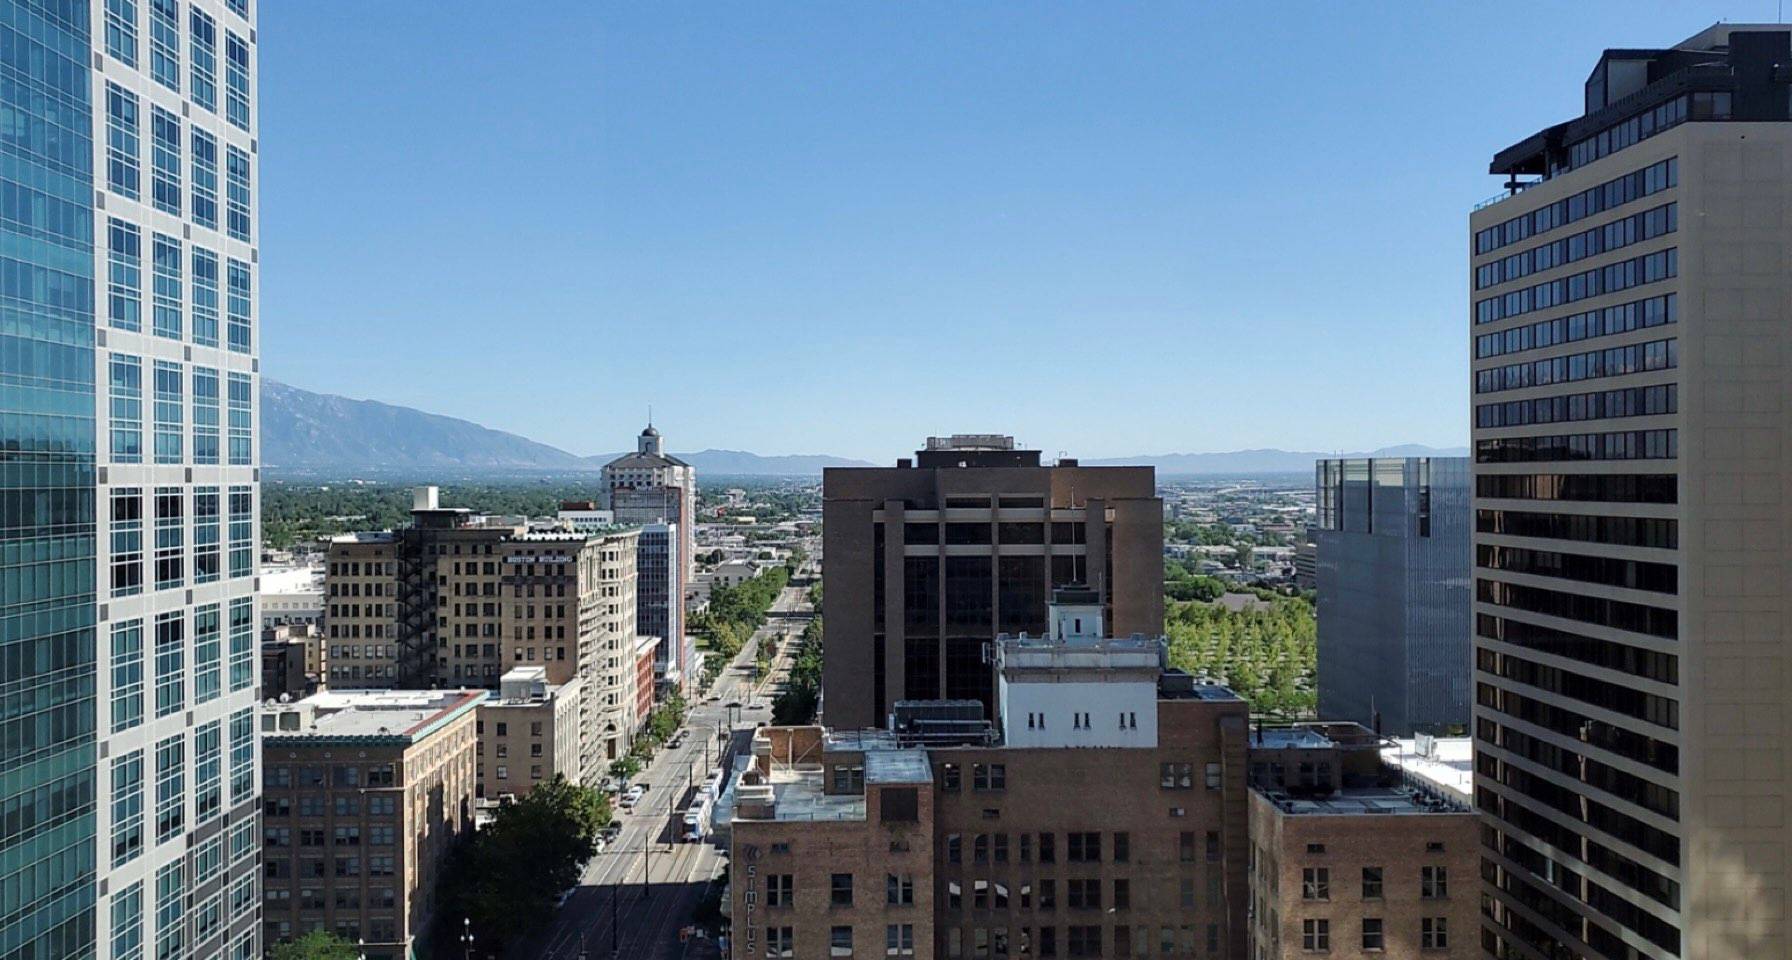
(316, 945)
(801, 696)
(508, 881)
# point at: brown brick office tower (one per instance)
(927, 560)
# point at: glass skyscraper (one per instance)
(128, 480)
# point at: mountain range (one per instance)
(309, 432)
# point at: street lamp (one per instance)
(466, 937)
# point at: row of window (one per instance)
(1654, 355)
(1621, 445)
(167, 192)
(124, 289)
(1627, 133)
(342, 776)
(1080, 847)
(1606, 571)
(379, 835)
(343, 866)
(899, 941)
(1579, 727)
(1316, 934)
(341, 805)
(1592, 201)
(1580, 487)
(166, 640)
(1611, 278)
(1582, 807)
(1592, 365)
(1078, 941)
(1618, 698)
(1623, 657)
(1615, 235)
(166, 760)
(962, 533)
(1620, 531)
(1608, 321)
(222, 425)
(1598, 405)
(1081, 893)
(1574, 763)
(1316, 883)
(222, 545)
(342, 898)
(1619, 614)
(121, 28)
(1588, 896)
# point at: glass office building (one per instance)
(1392, 576)
(128, 479)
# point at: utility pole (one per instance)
(616, 921)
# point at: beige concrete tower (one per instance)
(1630, 349)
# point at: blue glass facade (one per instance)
(47, 482)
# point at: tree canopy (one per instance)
(1267, 654)
(316, 945)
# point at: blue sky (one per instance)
(1106, 228)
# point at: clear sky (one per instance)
(1107, 228)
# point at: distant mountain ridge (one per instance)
(307, 431)
(1267, 460)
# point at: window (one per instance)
(170, 539)
(241, 448)
(124, 275)
(164, 160)
(236, 306)
(171, 671)
(121, 44)
(989, 776)
(127, 918)
(236, 80)
(1315, 883)
(779, 888)
(242, 643)
(1434, 883)
(899, 891)
(849, 778)
(1082, 893)
(126, 408)
(1048, 852)
(840, 942)
(170, 904)
(170, 788)
(949, 777)
(1083, 941)
(1048, 894)
(840, 890)
(1316, 935)
(1122, 847)
(207, 565)
(1186, 893)
(1434, 933)
(208, 771)
(1083, 847)
(127, 675)
(1373, 938)
(1185, 847)
(780, 942)
(202, 40)
(164, 43)
(236, 193)
(242, 531)
(1213, 846)
(169, 412)
(1122, 894)
(242, 754)
(1315, 848)
(122, 170)
(127, 807)
(1176, 776)
(1371, 883)
(899, 940)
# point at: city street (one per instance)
(613, 912)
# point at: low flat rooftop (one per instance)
(1364, 801)
(1289, 738)
(898, 766)
(364, 536)
(406, 714)
(801, 796)
(1451, 766)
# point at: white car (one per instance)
(632, 797)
